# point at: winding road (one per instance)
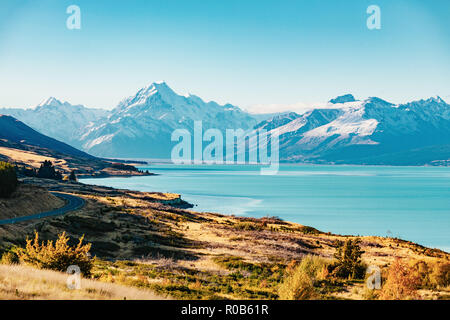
(72, 203)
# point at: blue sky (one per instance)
(260, 55)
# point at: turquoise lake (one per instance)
(412, 203)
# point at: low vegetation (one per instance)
(242, 280)
(301, 281)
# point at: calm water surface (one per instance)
(412, 203)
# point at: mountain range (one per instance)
(344, 131)
(372, 131)
(59, 120)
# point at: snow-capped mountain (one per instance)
(60, 120)
(141, 125)
(346, 130)
(372, 131)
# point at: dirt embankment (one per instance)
(28, 200)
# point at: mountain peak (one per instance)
(343, 99)
(51, 101)
(377, 101)
(155, 87)
(158, 85)
(436, 99)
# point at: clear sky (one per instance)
(259, 55)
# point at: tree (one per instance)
(8, 179)
(72, 176)
(348, 255)
(47, 171)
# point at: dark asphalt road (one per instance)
(73, 203)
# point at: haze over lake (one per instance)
(412, 203)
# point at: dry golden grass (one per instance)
(30, 158)
(18, 282)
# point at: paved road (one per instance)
(72, 203)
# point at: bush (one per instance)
(299, 282)
(440, 276)
(8, 179)
(432, 274)
(10, 257)
(348, 255)
(58, 256)
(401, 282)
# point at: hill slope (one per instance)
(16, 132)
(23, 145)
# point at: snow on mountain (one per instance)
(345, 130)
(141, 125)
(372, 131)
(60, 120)
(350, 122)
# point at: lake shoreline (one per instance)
(191, 184)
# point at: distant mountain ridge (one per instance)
(60, 120)
(346, 130)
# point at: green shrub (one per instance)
(8, 179)
(58, 256)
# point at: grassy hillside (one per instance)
(25, 283)
(140, 241)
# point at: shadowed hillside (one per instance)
(24, 146)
